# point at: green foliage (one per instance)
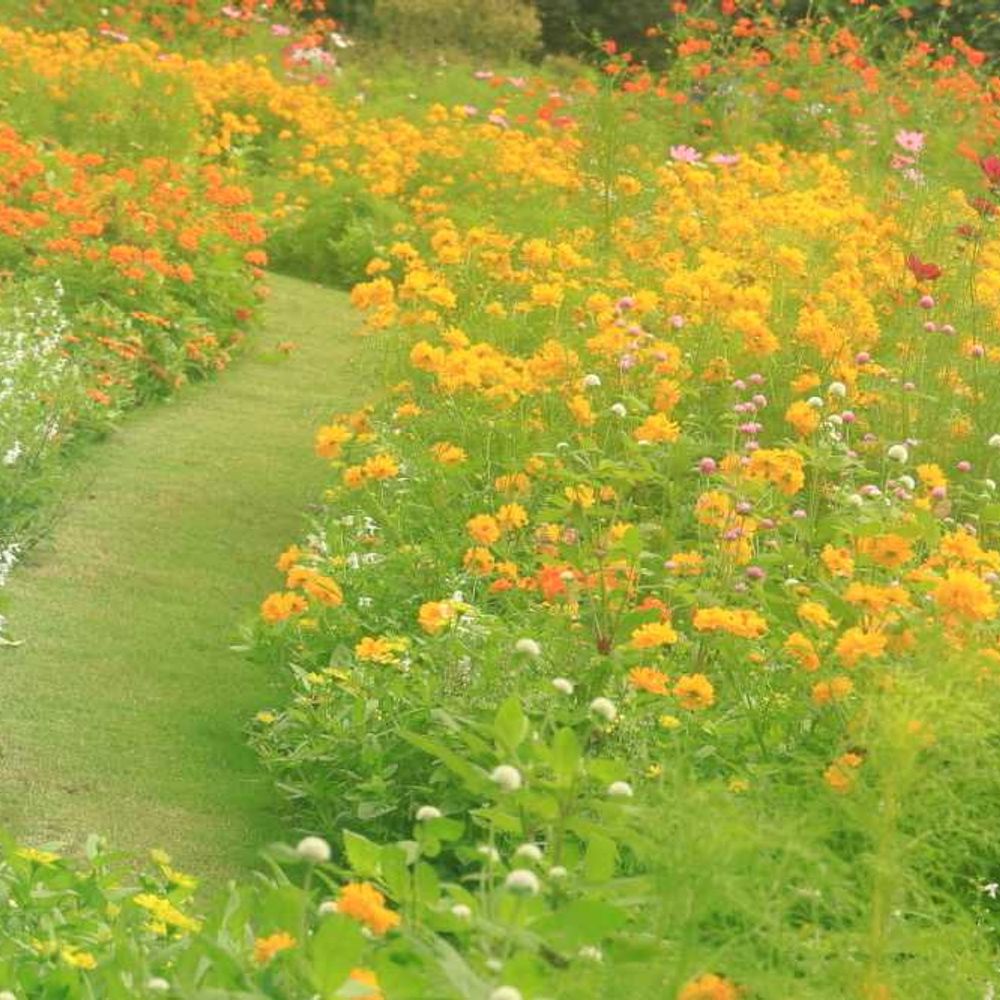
(503, 29)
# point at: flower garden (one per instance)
(646, 638)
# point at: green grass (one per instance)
(124, 710)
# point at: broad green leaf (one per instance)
(335, 949)
(362, 854)
(510, 726)
(599, 861)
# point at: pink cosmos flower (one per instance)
(724, 159)
(912, 142)
(685, 154)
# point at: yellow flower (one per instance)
(652, 635)
(740, 622)
(656, 429)
(803, 418)
(379, 649)
(37, 856)
(448, 454)
(330, 440)
(649, 679)
(963, 596)
(435, 616)
(694, 692)
(483, 528)
(856, 644)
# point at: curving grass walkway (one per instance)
(124, 711)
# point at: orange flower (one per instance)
(649, 679)
(361, 901)
(278, 607)
(264, 949)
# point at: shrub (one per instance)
(497, 29)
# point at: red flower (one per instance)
(990, 166)
(922, 271)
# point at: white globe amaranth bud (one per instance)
(327, 907)
(618, 409)
(898, 453)
(529, 647)
(563, 685)
(994, 441)
(7, 995)
(990, 484)
(591, 953)
(425, 813)
(908, 482)
(523, 881)
(506, 993)
(620, 790)
(507, 777)
(314, 849)
(604, 708)
(489, 852)
(591, 381)
(815, 402)
(157, 984)
(837, 389)
(856, 500)
(531, 852)
(461, 911)
(558, 872)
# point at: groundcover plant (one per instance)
(645, 641)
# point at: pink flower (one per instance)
(280, 30)
(912, 142)
(724, 159)
(685, 154)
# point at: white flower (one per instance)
(815, 402)
(461, 911)
(506, 993)
(7, 995)
(507, 777)
(313, 849)
(529, 647)
(898, 453)
(908, 482)
(523, 881)
(994, 441)
(563, 685)
(490, 853)
(605, 708)
(856, 500)
(327, 907)
(618, 409)
(157, 984)
(425, 813)
(837, 389)
(591, 381)
(558, 871)
(588, 951)
(532, 852)
(620, 790)
(991, 889)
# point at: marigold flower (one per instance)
(652, 635)
(361, 901)
(264, 949)
(649, 679)
(279, 607)
(856, 644)
(694, 692)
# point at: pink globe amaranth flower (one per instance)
(685, 154)
(280, 30)
(939, 492)
(755, 573)
(912, 142)
(930, 326)
(707, 465)
(862, 358)
(964, 466)
(848, 416)
(926, 302)
(977, 351)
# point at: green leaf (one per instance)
(428, 887)
(510, 726)
(581, 922)
(475, 778)
(336, 949)
(599, 861)
(362, 854)
(566, 756)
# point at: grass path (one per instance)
(124, 711)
